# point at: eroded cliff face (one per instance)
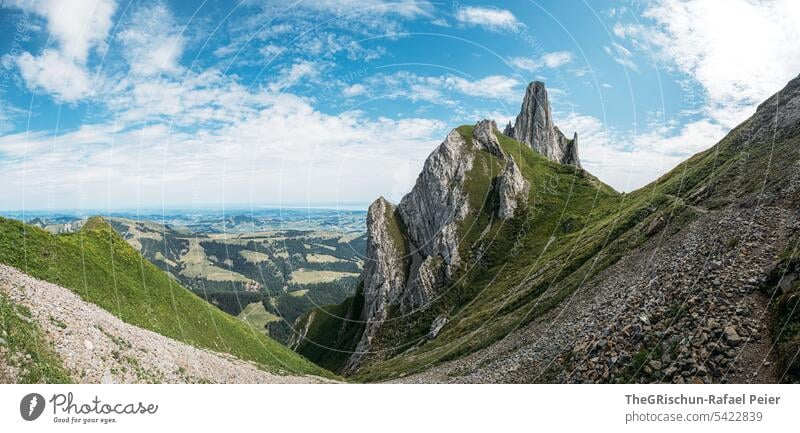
(413, 249)
(438, 200)
(384, 275)
(534, 126)
(512, 190)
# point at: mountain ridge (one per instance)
(577, 229)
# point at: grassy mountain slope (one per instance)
(576, 227)
(103, 269)
(520, 269)
(332, 334)
(572, 215)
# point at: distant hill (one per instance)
(103, 269)
(288, 271)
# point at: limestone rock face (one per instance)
(383, 277)
(384, 274)
(485, 138)
(509, 130)
(408, 275)
(569, 148)
(426, 277)
(534, 124)
(512, 190)
(413, 248)
(534, 127)
(438, 200)
(436, 326)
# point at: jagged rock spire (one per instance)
(534, 127)
(484, 137)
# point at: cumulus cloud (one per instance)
(51, 72)
(627, 160)
(558, 58)
(152, 41)
(739, 51)
(354, 90)
(489, 18)
(78, 27)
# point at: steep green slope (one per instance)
(575, 227)
(103, 269)
(332, 336)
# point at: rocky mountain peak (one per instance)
(534, 127)
(413, 248)
(486, 139)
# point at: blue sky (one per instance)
(108, 104)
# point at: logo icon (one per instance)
(31, 406)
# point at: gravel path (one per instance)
(97, 347)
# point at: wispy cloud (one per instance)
(408, 9)
(152, 41)
(494, 19)
(550, 60)
(440, 89)
(621, 55)
(630, 160)
(79, 28)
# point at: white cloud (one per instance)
(295, 74)
(408, 9)
(440, 22)
(494, 86)
(207, 98)
(51, 72)
(439, 89)
(550, 60)
(525, 63)
(285, 151)
(152, 41)
(621, 55)
(79, 27)
(627, 161)
(489, 18)
(739, 51)
(271, 50)
(354, 90)
(558, 58)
